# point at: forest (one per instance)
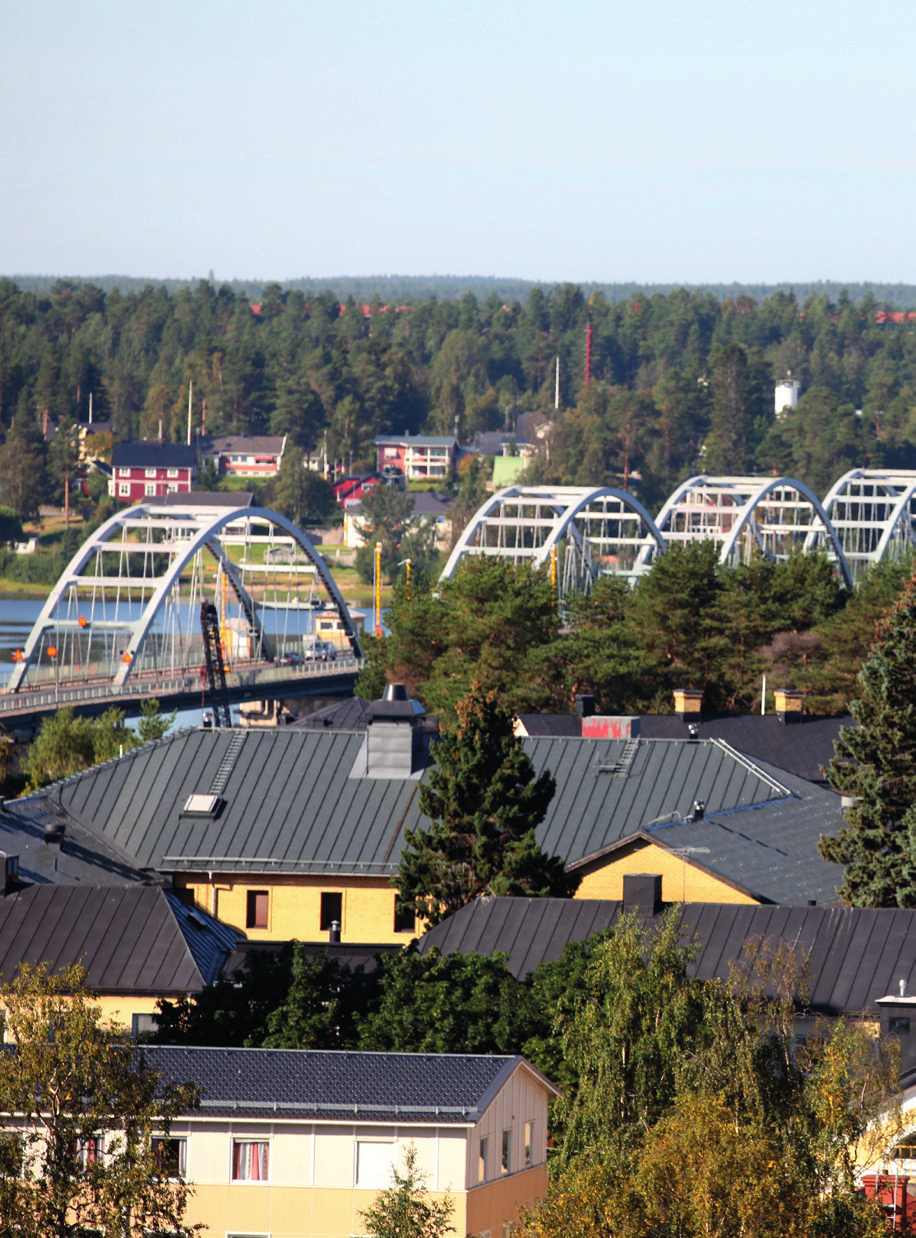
(680, 381)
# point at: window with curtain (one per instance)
(250, 1160)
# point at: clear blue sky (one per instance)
(652, 141)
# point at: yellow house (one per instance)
(283, 833)
(297, 1144)
(137, 943)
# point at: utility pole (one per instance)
(190, 398)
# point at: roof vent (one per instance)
(395, 692)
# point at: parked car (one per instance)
(321, 651)
(289, 657)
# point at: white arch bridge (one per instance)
(588, 532)
(128, 604)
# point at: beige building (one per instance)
(297, 1144)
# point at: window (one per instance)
(405, 920)
(150, 487)
(374, 1158)
(171, 1156)
(124, 472)
(331, 909)
(172, 473)
(142, 1024)
(149, 472)
(482, 1159)
(898, 1025)
(12, 1154)
(256, 914)
(250, 1160)
(391, 453)
(529, 1140)
(124, 488)
(89, 1151)
(171, 487)
(506, 1152)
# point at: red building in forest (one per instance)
(148, 470)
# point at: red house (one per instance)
(349, 490)
(148, 469)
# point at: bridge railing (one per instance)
(165, 685)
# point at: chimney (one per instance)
(585, 706)
(898, 1019)
(11, 872)
(54, 833)
(789, 704)
(688, 704)
(642, 892)
(394, 743)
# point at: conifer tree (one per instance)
(876, 764)
(484, 803)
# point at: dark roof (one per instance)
(136, 939)
(298, 799)
(856, 954)
(428, 503)
(331, 1086)
(153, 454)
(417, 440)
(206, 498)
(348, 954)
(349, 715)
(803, 748)
(266, 444)
(83, 859)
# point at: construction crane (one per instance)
(216, 671)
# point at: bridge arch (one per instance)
(773, 515)
(595, 530)
(874, 514)
(149, 578)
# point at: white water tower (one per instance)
(786, 396)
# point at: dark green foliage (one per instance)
(322, 1006)
(385, 517)
(153, 723)
(876, 764)
(300, 494)
(452, 1003)
(484, 802)
(68, 742)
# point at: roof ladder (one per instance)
(218, 786)
(621, 767)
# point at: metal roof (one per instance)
(855, 954)
(84, 859)
(153, 454)
(136, 939)
(337, 1085)
(297, 800)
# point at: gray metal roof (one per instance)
(337, 1085)
(84, 859)
(803, 748)
(136, 939)
(297, 799)
(856, 954)
(153, 454)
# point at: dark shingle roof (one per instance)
(136, 939)
(153, 454)
(328, 1085)
(856, 954)
(297, 799)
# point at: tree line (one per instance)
(680, 382)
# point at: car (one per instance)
(289, 657)
(321, 651)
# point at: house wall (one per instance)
(681, 880)
(311, 1190)
(136, 480)
(294, 905)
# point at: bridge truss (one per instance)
(874, 514)
(586, 531)
(129, 602)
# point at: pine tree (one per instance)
(484, 803)
(876, 764)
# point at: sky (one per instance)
(598, 141)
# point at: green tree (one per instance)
(153, 723)
(484, 802)
(68, 742)
(404, 1210)
(728, 447)
(322, 1005)
(385, 516)
(298, 493)
(22, 468)
(86, 1105)
(445, 1003)
(875, 764)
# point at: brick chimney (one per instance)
(688, 704)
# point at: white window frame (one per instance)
(483, 1157)
(248, 1181)
(82, 1157)
(124, 489)
(124, 472)
(529, 1144)
(182, 1175)
(151, 472)
(505, 1153)
(378, 1183)
(150, 488)
(172, 473)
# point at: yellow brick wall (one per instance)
(681, 880)
(294, 905)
